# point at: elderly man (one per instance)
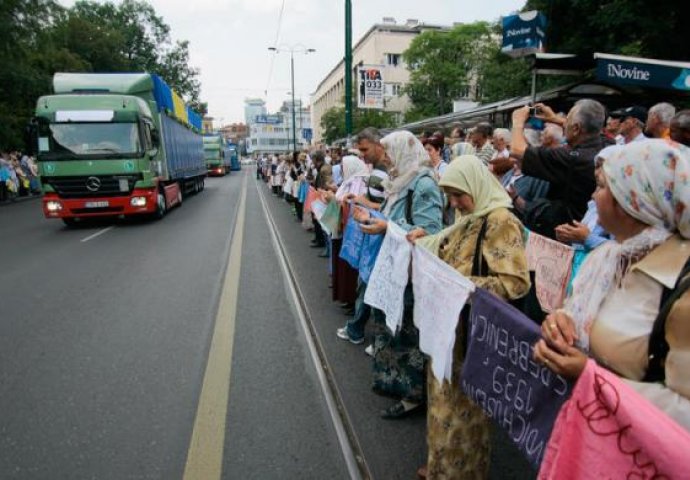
(481, 140)
(680, 127)
(632, 123)
(659, 118)
(569, 170)
(552, 136)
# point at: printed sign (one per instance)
(524, 33)
(627, 71)
(500, 375)
(371, 87)
(551, 263)
(272, 119)
(386, 287)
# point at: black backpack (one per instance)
(658, 346)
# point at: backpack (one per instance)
(658, 346)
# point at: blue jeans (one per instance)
(355, 326)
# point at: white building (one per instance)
(272, 133)
(382, 45)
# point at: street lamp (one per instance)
(292, 49)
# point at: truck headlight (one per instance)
(138, 201)
(53, 206)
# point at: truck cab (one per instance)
(106, 146)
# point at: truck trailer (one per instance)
(112, 144)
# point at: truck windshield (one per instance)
(93, 140)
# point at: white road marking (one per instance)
(97, 234)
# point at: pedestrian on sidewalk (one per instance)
(413, 202)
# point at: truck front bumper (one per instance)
(140, 201)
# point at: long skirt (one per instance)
(458, 431)
(344, 276)
(399, 365)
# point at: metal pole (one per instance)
(292, 72)
(348, 67)
(534, 85)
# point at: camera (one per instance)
(534, 111)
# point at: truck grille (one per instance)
(92, 185)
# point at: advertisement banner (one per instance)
(271, 119)
(643, 72)
(524, 33)
(371, 86)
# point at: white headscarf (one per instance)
(353, 166)
(650, 180)
(407, 155)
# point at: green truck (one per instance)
(115, 145)
(218, 158)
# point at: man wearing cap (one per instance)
(632, 123)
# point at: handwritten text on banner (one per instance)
(500, 375)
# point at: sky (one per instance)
(229, 41)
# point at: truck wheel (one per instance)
(160, 206)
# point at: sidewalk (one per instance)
(394, 449)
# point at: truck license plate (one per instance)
(96, 204)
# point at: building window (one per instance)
(393, 59)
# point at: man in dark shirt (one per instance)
(569, 169)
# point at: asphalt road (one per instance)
(106, 331)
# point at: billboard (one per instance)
(270, 119)
(524, 33)
(371, 86)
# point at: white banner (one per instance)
(371, 86)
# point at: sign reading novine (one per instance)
(524, 33)
(652, 73)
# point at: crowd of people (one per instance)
(613, 186)
(18, 176)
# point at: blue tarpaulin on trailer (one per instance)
(184, 150)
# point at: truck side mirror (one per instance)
(31, 136)
(155, 138)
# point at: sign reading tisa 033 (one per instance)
(524, 33)
(644, 72)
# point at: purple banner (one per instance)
(500, 376)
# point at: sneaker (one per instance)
(369, 350)
(342, 334)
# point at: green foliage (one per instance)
(333, 121)
(41, 38)
(504, 77)
(630, 27)
(442, 65)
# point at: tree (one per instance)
(41, 38)
(630, 27)
(333, 121)
(444, 66)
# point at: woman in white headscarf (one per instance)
(413, 202)
(643, 200)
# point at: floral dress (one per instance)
(457, 429)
